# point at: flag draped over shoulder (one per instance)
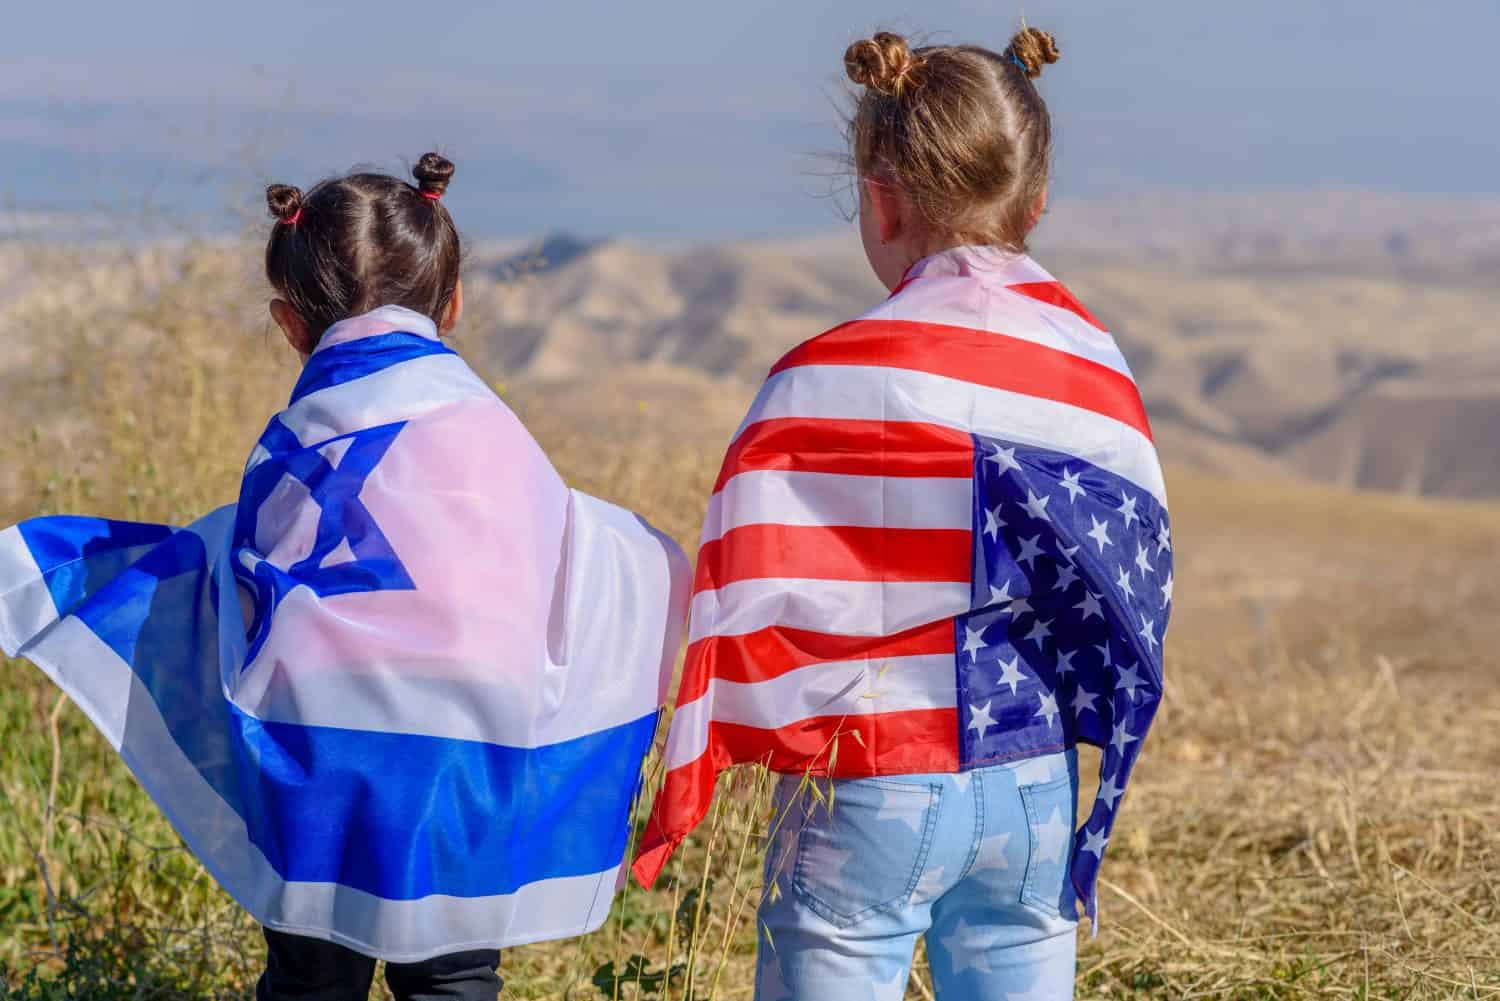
(939, 541)
(399, 695)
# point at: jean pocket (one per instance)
(863, 849)
(1051, 813)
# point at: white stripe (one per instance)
(399, 393)
(26, 606)
(859, 392)
(397, 930)
(847, 688)
(838, 607)
(781, 497)
(606, 660)
(980, 301)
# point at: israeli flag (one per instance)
(397, 697)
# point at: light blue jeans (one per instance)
(977, 862)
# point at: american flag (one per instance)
(938, 542)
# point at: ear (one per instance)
(1037, 210)
(455, 310)
(293, 326)
(889, 205)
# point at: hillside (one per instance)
(1367, 357)
(1346, 338)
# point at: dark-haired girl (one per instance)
(396, 699)
(936, 559)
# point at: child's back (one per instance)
(936, 559)
(397, 698)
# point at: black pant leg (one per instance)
(463, 976)
(308, 969)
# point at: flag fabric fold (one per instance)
(399, 695)
(938, 541)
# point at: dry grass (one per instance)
(1314, 816)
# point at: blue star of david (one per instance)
(343, 522)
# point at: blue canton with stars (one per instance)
(1072, 587)
(349, 552)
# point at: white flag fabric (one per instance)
(398, 696)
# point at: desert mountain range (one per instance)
(1350, 339)
(1346, 338)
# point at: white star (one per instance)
(973, 641)
(893, 989)
(1140, 561)
(1130, 680)
(1005, 458)
(964, 952)
(1018, 608)
(1148, 633)
(1108, 658)
(1066, 577)
(1011, 674)
(1037, 506)
(1050, 838)
(1034, 771)
(1084, 699)
(1094, 841)
(991, 855)
(993, 523)
(1163, 538)
(1065, 661)
(1030, 551)
(1090, 605)
(1121, 737)
(1123, 581)
(980, 719)
(896, 807)
(1127, 508)
(1100, 533)
(1048, 708)
(1000, 595)
(1166, 591)
(1109, 792)
(1071, 485)
(1069, 552)
(1040, 630)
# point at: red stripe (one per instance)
(852, 447)
(828, 552)
(1054, 294)
(771, 652)
(981, 357)
(913, 742)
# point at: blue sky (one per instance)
(704, 119)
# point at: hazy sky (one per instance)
(702, 119)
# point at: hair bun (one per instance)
(433, 172)
(1034, 48)
(883, 63)
(284, 201)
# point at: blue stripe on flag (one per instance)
(77, 555)
(356, 359)
(399, 816)
(404, 816)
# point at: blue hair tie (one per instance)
(1020, 64)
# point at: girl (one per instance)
(936, 559)
(397, 698)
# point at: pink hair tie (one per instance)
(431, 196)
(296, 217)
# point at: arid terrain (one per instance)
(1314, 814)
(1341, 338)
